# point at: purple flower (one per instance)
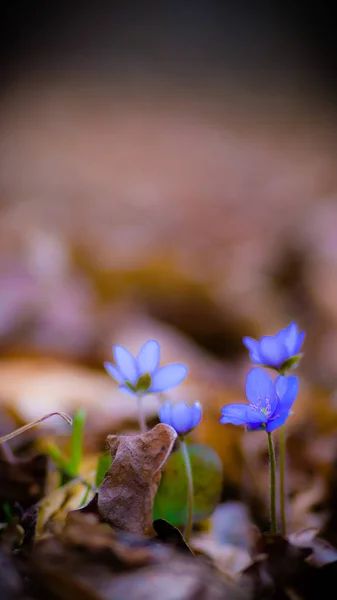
(276, 350)
(141, 374)
(180, 416)
(269, 402)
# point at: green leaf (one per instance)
(144, 382)
(77, 435)
(290, 363)
(103, 465)
(57, 457)
(171, 499)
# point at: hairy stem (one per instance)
(141, 416)
(282, 453)
(187, 461)
(272, 467)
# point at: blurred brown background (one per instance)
(167, 170)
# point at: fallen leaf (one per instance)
(169, 534)
(228, 558)
(90, 560)
(11, 584)
(55, 507)
(125, 498)
(231, 525)
(23, 480)
(171, 500)
(322, 554)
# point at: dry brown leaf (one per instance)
(125, 498)
(23, 479)
(89, 559)
(55, 507)
(228, 558)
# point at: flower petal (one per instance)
(281, 385)
(277, 422)
(235, 414)
(165, 413)
(300, 340)
(272, 351)
(287, 390)
(196, 413)
(168, 377)
(253, 347)
(148, 357)
(182, 418)
(259, 387)
(255, 427)
(290, 338)
(126, 364)
(114, 372)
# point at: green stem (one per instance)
(77, 441)
(141, 416)
(187, 461)
(272, 467)
(282, 453)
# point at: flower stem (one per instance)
(187, 461)
(272, 466)
(282, 450)
(141, 416)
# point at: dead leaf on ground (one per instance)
(169, 534)
(55, 507)
(11, 584)
(23, 479)
(322, 553)
(228, 558)
(91, 559)
(292, 570)
(125, 498)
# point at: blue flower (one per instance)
(142, 375)
(180, 416)
(276, 350)
(269, 402)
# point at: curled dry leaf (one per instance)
(125, 498)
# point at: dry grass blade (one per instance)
(32, 424)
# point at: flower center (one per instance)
(142, 385)
(262, 407)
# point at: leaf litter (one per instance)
(98, 535)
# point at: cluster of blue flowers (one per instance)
(270, 402)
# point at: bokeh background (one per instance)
(168, 170)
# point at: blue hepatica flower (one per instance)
(269, 402)
(142, 375)
(180, 416)
(276, 350)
